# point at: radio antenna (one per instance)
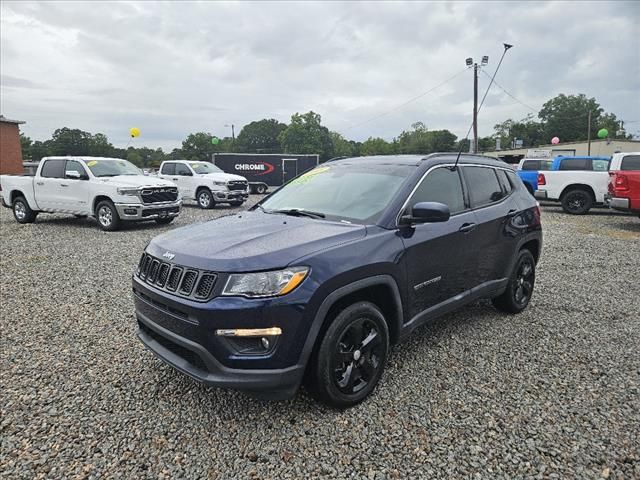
(506, 47)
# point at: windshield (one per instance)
(204, 167)
(111, 168)
(351, 192)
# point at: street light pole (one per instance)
(475, 108)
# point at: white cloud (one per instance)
(172, 68)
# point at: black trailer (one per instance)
(264, 170)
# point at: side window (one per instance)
(168, 169)
(441, 185)
(630, 162)
(483, 185)
(575, 164)
(504, 181)
(53, 168)
(182, 169)
(600, 165)
(75, 166)
(531, 165)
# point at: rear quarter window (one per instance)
(53, 168)
(630, 162)
(484, 187)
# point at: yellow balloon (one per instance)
(134, 132)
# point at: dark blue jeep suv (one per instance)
(317, 280)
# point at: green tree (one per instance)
(25, 143)
(531, 132)
(198, 146)
(99, 146)
(40, 149)
(375, 146)
(421, 141)
(260, 137)
(305, 134)
(341, 146)
(67, 141)
(134, 157)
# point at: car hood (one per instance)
(251, 241)
(136, 181)
(223, 177)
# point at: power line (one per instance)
(398, 107)
(505, 91)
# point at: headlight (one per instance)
(216, 182)
(265, 284)
(128, 191)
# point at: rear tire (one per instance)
(520, 287)
(164, 221)
(22, 211)
(577, 202)
(204, 197)
(107, 216)
(350, 360)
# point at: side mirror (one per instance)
(427, 212)
(73, 174)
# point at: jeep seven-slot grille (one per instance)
(159, 195)
(176, 279)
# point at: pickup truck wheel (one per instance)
(164, 221)
(520, 287)
(349, 363)
(204, 198)
(577, 202)
(22, 212)
(107, 216)
(261, 189)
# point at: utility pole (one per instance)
(475, 108)
(473, 147)
(589, 135)
(233, 132)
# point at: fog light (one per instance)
(249, 332)
(265, 343)
(130, 211)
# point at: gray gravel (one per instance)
(551, 393)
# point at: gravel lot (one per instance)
(551, 393)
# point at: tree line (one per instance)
(563, 116)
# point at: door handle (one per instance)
(174, 179)
(64, 185)
(40, 183)
(467, 227)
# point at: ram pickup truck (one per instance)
(624, 182)
(319, 279)
(528, 169)
(205, 183)
(110, 189)
(578, 183)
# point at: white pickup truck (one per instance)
(111, 190)
(578, 183)
(205, 183)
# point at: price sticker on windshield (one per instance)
(304, 178)
(92, 163)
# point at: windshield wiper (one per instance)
(297, 212)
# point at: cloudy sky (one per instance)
(175, 68)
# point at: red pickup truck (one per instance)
(624, 182)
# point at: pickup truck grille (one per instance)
(175, 279)
(159, 194)
(237, 185)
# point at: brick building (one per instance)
(10, 148)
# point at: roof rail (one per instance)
(336, 158)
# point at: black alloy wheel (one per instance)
(519, 290)
(577, 202)
(351, 356)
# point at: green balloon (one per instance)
(602, 133)
(215, 140)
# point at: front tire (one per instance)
(350, 360)
(107, 216)
(22, 211)
(520, 287)
(577, 202)
(205, 198)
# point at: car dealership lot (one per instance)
(554, 390)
